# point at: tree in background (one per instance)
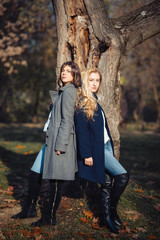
(27, 59)
(88, 35)
(140, 77)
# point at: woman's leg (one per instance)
(50, 204)
(35, 179)
(121, 178)
(29, 209)
(106, 202)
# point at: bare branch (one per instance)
(140, 24)
(102, 25)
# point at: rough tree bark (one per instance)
(89, 37)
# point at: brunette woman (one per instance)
(60, 162)
(96, 161)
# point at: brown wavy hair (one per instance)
(75, 71)
(86, 100)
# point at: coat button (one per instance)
(46, 136)
(47, 128)
(46, 144)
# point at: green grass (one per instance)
(19, 146)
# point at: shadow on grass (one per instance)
(139, 155)
(22, 134)
(16, 170)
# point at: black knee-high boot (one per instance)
(120, 183)
(60, 184)
(106, 201)
(50, 204)
(29, 209)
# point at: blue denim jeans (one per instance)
(111, 163)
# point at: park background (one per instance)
(28, 47)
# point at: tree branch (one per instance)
(139, 25)
(102, 25)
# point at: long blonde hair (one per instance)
(85, 98)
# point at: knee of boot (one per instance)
(122, 179)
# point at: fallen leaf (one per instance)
(26, 233)
(122, 231)
(81, 204)
(66, 206)
(38, 237)
(10, 200)
(140, 229)
(95, 220)
(114, 235)
(127, 229)
(152, 237)
(84, 220)
(133, 215)
(157, 206)
(124, 223)
(95, 226)
(135, 236)
(20, 146)
(138, 190)
(10, 188)
(10, 193)
(88, 214)
(141, 194)
(37, 230)
(106, 235)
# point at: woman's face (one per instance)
(94, 82)
(66, 75)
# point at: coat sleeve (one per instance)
(67, 119)
(82, 133)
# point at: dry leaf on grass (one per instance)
(157, 206)
(138, 190)
(106, 235)
(82, 204)
(152, 237)
(135, 236)
(140, 229)
(96, 226)
(20, 146)
(133, 215)
(95, 220)
(84, 220)
(88, 214)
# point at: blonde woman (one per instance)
(96, 161)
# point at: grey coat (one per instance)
(61, 136)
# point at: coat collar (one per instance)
(66, 86)
(95, 96)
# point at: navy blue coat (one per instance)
(90, 143)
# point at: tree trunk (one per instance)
(89, 37)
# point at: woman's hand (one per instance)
(58, 152)
(88, 161)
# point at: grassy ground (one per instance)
(78, 213)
